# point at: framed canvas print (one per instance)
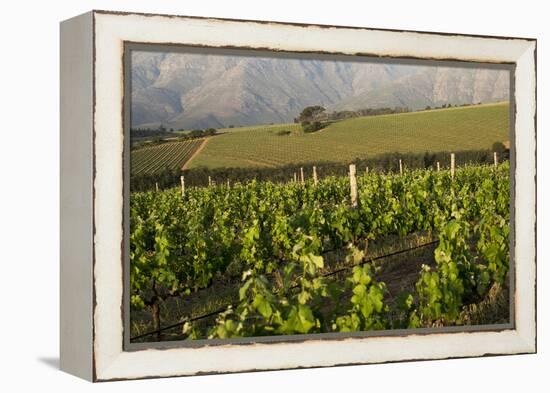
(247, 195)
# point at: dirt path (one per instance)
(203, 144)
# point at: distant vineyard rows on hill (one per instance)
(172, 155)
(272, 146)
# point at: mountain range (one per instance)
(195, 91)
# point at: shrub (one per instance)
(312, 127)
(499, 147)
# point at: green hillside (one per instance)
(453, 129)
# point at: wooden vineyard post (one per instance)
(182, 179)
(209, 181)
(495, 158)
(438, 168)
(452, 166)
(400, 167)
(295, 177)
(366, 170)
(156, 187)
(314, 175)
(353, 185)
(302, 175)
(228, 186)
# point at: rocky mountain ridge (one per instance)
(191, 90)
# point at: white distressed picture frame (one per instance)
(92, 151)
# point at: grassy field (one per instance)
(172, 155)
(453, 129)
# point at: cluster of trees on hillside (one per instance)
(201, 133)
(198, 177)
(161, 131)
(312, 117)
(315, 117)
(318, 114)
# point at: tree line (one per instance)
(316, 117)
(318, 113)
(153, 137)
(198, 177)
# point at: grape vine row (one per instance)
(273, 237)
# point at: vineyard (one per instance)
(170, 155)
(272, 146)
(268, 147)
(294, 258)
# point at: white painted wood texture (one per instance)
(76, 171)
